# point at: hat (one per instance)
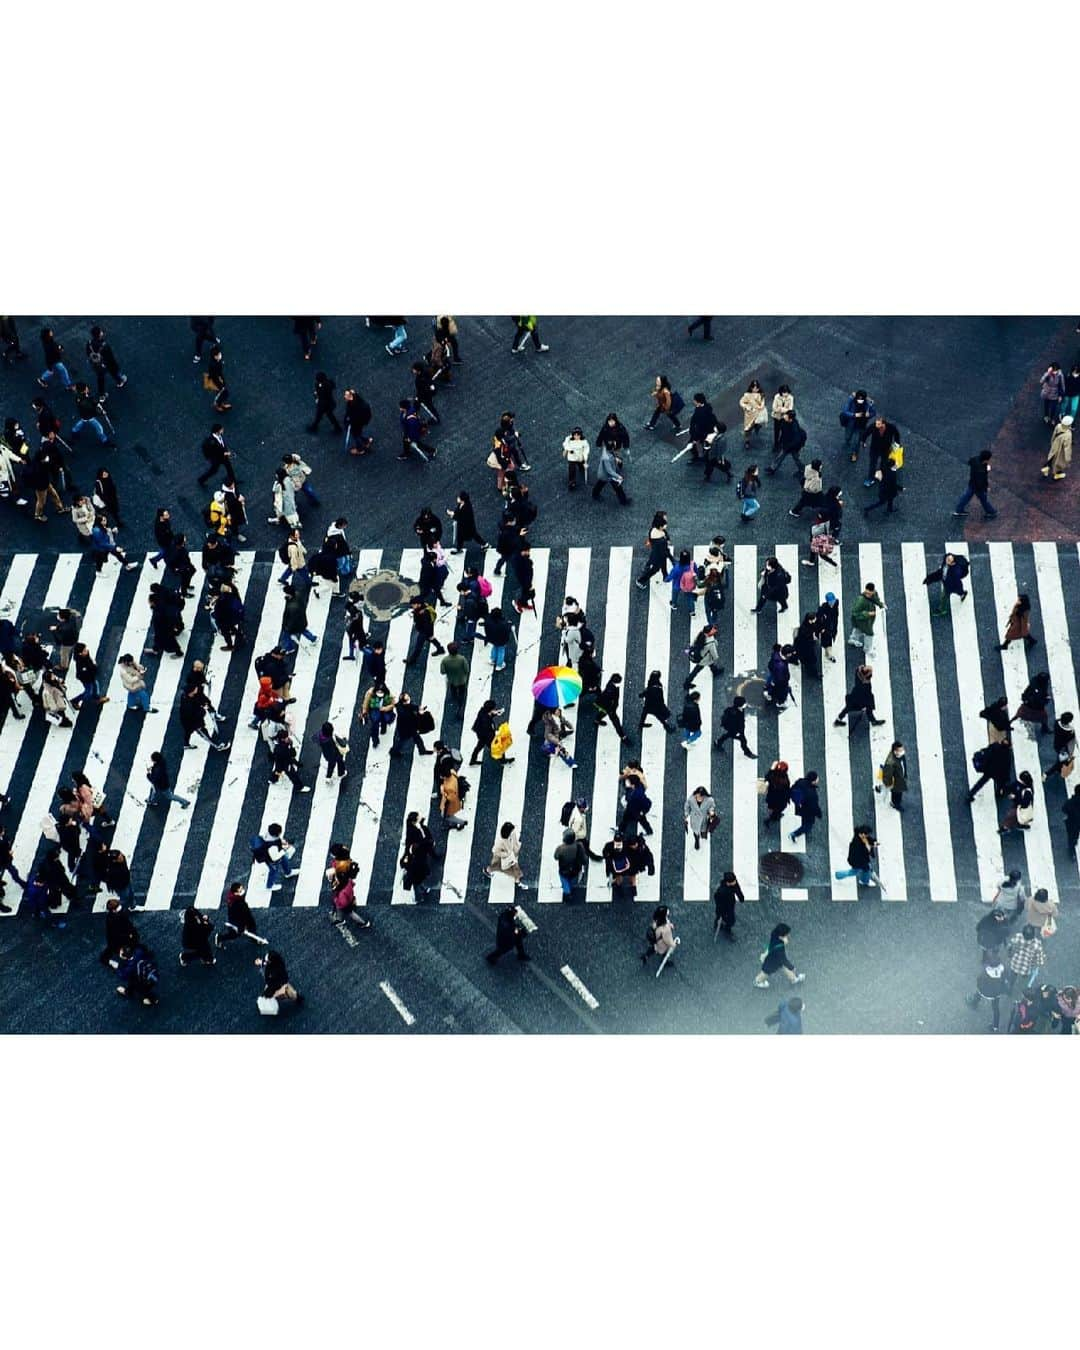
(1066, 421)
(219, 497)
(582, 803)
(830, 599)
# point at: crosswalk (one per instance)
(932, 675)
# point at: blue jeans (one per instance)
(139, 698)
(276, 870)
(309, 493)
(750, 507)
(166, 794)
(397, 342)
(90, 690)
(851, 431)
(303, 575)
(984, 501)
(288, 643)
(498, 656)
(805, 826)
(566, 884)
(59, 369)
(863, 876)
(376, 725)
(93, 424)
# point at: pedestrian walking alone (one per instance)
(775, 958)
(509, 935)
(325, 403)
(658, 542)
(806, 803)
(195, 938)
(654, 704)
(668, 404)
(214, 379)
(660, 938)
(725, 897)
(864, 612)
(1034, 701)
(733, 725)
(860, 857)
(1059, 456)
(1052, 392)
(1018, 625)
(1064, 748)
(860, 699)
(699, 815)
(610, 471)
(855, 418)
(978, 486)
(504, 856)
(894, 775)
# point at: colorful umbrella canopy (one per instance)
(557, 687)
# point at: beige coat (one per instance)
(504, 855)
(781, 404)
(131, 677)
(753, 405)
(1036, 912)
(1060, 455)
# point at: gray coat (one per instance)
(697, 813)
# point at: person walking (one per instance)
(660, 938)
(783, 402)
(509, 934)
(806, 803)
(217, 454)
(773, 583)
(377, 710)
(86, 672)
(1052, 391)
(775, 958)
(1022, 811)
(505, 852)
(805, 646)
(90, 413)
(203, 329)
(446, 331)
(733, 726)
(571, 858)
(636, 802)
(424, 379)
(1059, 456)
(1027, 956)
(699, 815)
(654, 703)
(860, 699)
(279, 855)
(812, 485)
(283, 760)
(704, 654)
(333, 749)
(300, 475)
(355, 416)
(978, 486)
(528, 327)
(131, 677)
(828, 625)
(665, 398)
(860, 858)
(610, 471)
(951, 574)
(465, 530)
(423, 634)
(412, 721)
(754, 413)
(788, 440)
(990, 984)
(214, 379)
(277, 987)
(294, 620)
(855, 418)
(864, 614)
(1064, 748)
(703, 425)
(777, 792)
(325, 403)
(55, 367)
(454, 668)
(1034, 701)
(195, 938)
(992, 763)
(705, 324)
(556, 728)
(138, 973)
(497, 634)
(1042, 912)
(1018, 625)
(887, 478)
(120, 932)
(747, 491)
(788, 1017)
(658, 542)
(1070, 404)
(727, 894)
(881, 440)
(521, 565)
(607, 706)
(451, 800)
(161, 786)
(894, 775)
(306, 329)
(683, 581)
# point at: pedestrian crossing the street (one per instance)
(932, 674)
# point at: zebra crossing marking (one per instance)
(744, 772)
(837, 749)
(790, 723)
(654, 737)
(696, 861)
(604, 803)
(1059, 657)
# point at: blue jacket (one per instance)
(870, 410)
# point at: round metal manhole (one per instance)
(384, 593)
(752, 688)
(780, 869)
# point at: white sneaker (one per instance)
(275, 887)
(799, 978)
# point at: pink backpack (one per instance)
(485, 586)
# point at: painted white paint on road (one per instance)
(395, 999)
(579, 988)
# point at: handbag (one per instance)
(267, 1006)
(493, 461)
(1049, 928)
(342, 746)
(207, 383)
(761, 419)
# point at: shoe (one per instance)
(543, 348)
(959, 514)
(799, 978)
(795, 515)
(760, 982)
(303, 790)
(640, 585)
(839, 722)
(792, 837)
(276, 886)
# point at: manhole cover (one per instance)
(780, 869)
(752, 688)
(384, 593)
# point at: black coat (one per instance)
(726, 895)
(702, 421)
(506, 930)
(653, 694)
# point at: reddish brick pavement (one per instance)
(1029, 507)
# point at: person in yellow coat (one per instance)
(500, 743)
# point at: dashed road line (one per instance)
(579, 988)
(395, 999)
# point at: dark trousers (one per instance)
(321, 411)
(335, 762)
(712, 463)
(613, 718)
(520, 337)
(292, 773)
(629, 823)
(740, 736)
(212, 469)
(658, 412)
(705, 324)
(519, 946)
(617, 488)
(982, 781)
(650, 570)
(202, 337)
(401, 737)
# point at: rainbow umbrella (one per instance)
(557, 687)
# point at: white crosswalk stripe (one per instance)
(926, 854)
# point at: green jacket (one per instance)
(456, 670)
(864, 612)
(894, 773)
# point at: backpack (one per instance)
(463, 787)
(484, 586)
(146, 970)
(798, 795)
(646, 805)
(260, 851)
(687, 581)
(978, 760)
(677, 402)
(566, 813)
(962, 565)
(283, 552)
(696, 647)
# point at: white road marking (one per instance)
(789, 723)
(696, 861)
(654, 739)
(837, 753)
(923, 669)
(1059, 659)
(579, 988)
(395, 999)
(744, 772)
(604, 806)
